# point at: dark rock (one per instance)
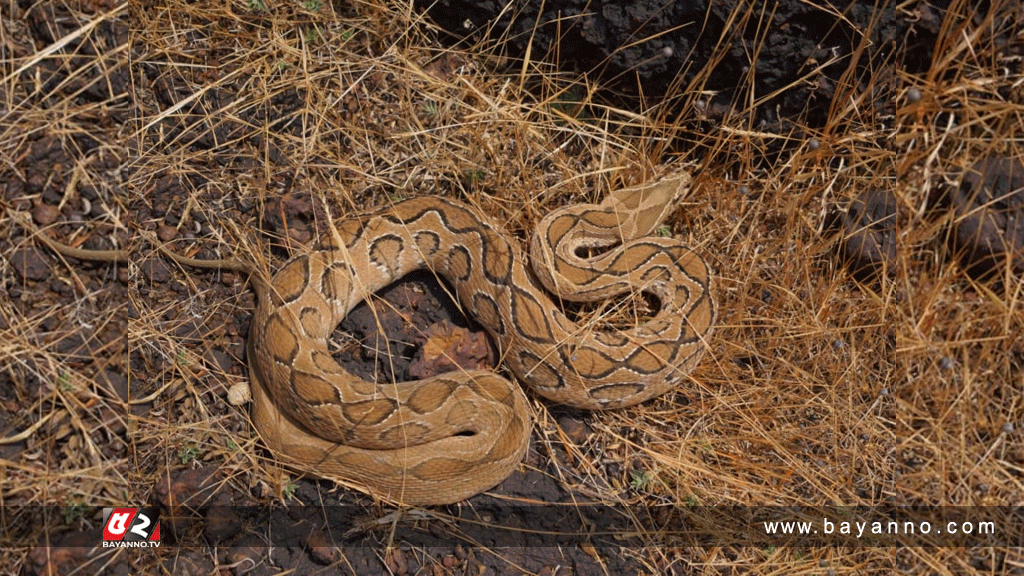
(29, 264)
(989, 216)
(871, 231)
(649, 47)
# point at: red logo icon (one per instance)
(131, 527)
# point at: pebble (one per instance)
(872, 227)
(239, 394)
(29, 264)
(45, 214)
(166, 233)
(321, 549)
(576, 430)
(989, 208)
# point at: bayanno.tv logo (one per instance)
(131, 527)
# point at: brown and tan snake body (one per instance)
(446, 438)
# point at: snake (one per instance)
(445, 438)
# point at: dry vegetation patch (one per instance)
(240, 128)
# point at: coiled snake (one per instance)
(448, 437)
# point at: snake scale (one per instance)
(448, 437)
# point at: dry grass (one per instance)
(819, 389)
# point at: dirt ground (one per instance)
(779, 62)
(858, 190)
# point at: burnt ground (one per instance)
(780, 64)
(76, 146)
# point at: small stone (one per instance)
(45, 214)
(576, 430)
(239, 394)
(194, 487)
(166, 233)
(872, 230)
(29, 264)
(321, 549)
(989, 208)
(156, 271)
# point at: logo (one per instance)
(131, 527)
